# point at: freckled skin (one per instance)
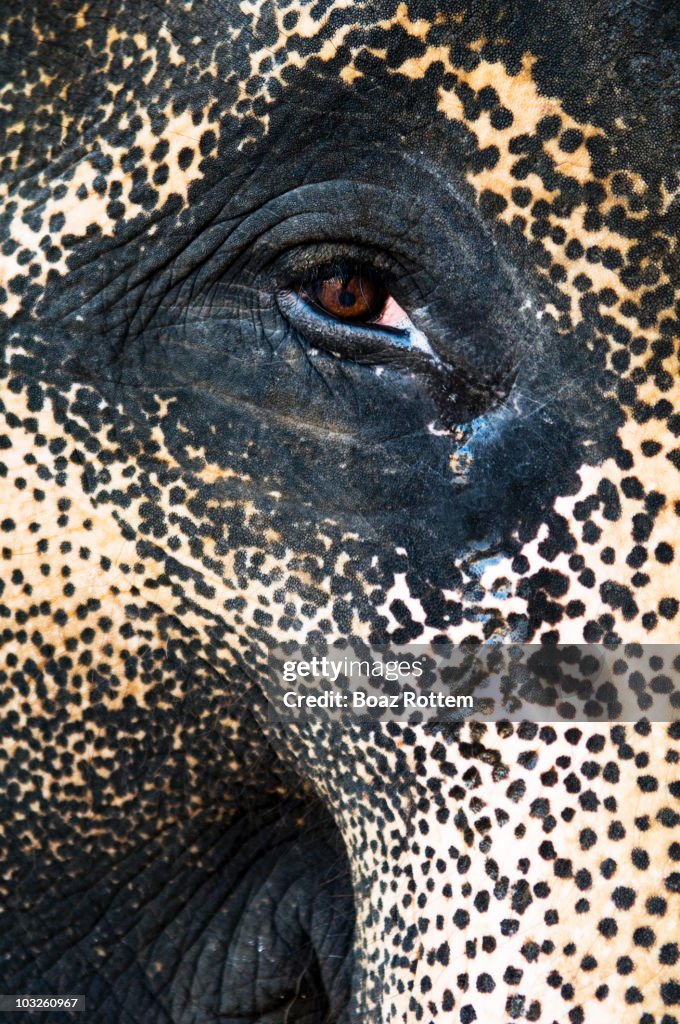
(193, 473)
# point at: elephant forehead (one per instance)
(155, 106)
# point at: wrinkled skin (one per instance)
(196, 467)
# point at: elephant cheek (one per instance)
(506, 887)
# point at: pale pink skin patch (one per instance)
(398, 319)
(394, 316)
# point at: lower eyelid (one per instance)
(402, 330)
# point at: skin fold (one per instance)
(198, 465)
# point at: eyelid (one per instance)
(394, 321)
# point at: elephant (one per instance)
(329, 321)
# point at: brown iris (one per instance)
(352, 297)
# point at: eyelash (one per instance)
(348, 293)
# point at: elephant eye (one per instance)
(353, 296)
(347, 308)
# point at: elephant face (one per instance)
(333, 321)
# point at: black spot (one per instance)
(668, 954)
(656, 905)
(672, 882)
(668, 607)
(623, 897)
(624, 965)
(644, 937)
(670, 993)
(570, 140)
(587, 838)
(640, 858)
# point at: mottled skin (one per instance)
(193, 470)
